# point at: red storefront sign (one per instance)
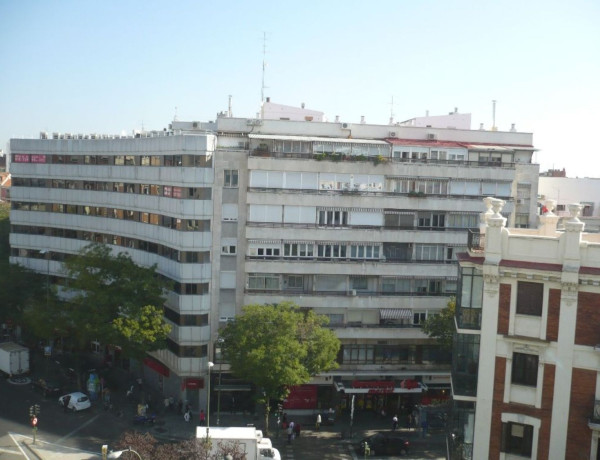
(20, 158)
(192, 384)
(301, 397)
(375, 386)
(157, 366)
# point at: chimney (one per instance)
(337, 118)
(268, 99)
(362, 119)
(302, 105)
(512, 128)
(455, 109)
(480, 126)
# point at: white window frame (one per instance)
(228, 178)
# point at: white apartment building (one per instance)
(358, 222)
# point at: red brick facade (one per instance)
(504, 309)
(586, 329)
(544, 414)
(553, 315)
(579, 435)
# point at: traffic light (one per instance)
(34, 421)
(36, 409)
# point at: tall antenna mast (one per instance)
(264, 65)
(494, 115)
(392, 111)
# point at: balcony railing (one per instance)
(476, 240)
(347, 293)
(469, 318)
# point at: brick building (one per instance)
(526, 360)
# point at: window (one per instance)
(530, 298)
(360, 283)
(267, 282)
(328, 251)
(517, 439)
(419, 318)
(298, 250)
(231, 178)
(333, 218)
(295, 282)
(228, 250)
(364, 251)
(432, 220)
(264, 252)
(525, 369)
(335, 318)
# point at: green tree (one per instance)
(115, 301)
(278, 346)
(441, 327)
(21, 287)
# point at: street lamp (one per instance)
(210, 365)
(219, 356)
(118, 453)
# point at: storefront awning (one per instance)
(395, 313)
(157, 366)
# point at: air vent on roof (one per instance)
(431, 137)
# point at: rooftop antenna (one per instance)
(175, 117)
(264, 66)
(392, 111)
(230, 114)
(494, 115)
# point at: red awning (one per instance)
(157, 366)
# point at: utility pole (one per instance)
(34, 411)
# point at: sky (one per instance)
(113, 67)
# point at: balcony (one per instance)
(468, 318)
(351, 293)
(476, 241)
(594, 421)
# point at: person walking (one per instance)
(318, 423)
(290, 433)
(202, 417)
(394, 423)
(187, 416)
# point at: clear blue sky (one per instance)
(111, 66)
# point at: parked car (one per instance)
(77, 401)
(384, 443)
(46, 387)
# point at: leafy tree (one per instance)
(441, 327)
(21, 287)
(114, 301)
(278, 346)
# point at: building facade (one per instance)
(526, 362)
(359, 222)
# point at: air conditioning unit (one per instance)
(353, 292)
(345, 126)
(195, 124)
(392, 133)
(520, 201)
(431, 137)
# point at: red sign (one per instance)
(301, 397)
(157, 366)
(193, 384)
(20, 158)
(38, 158)
(373, 384)
(409, 384)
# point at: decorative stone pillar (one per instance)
(549, 220)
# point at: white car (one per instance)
(77, 401)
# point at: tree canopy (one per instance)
(441, 327)
(115, 301)
(278, 346)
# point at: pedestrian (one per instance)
(394, 422)
(202, 417)
(290, 433)
(187, 416)
(410, 422)
(318, 423)
(66, 401)
(297, 428)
